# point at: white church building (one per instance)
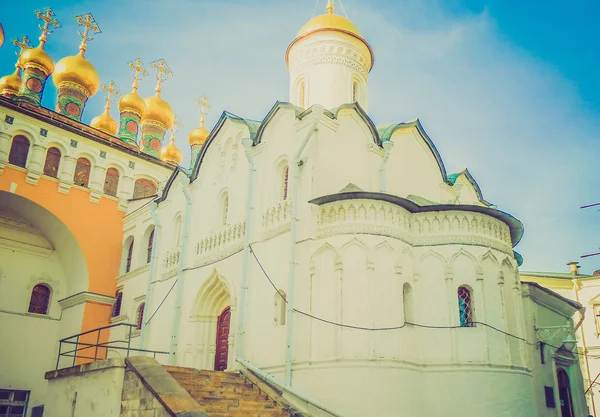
(342, 259)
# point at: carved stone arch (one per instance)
(463, 252)
(118, 165)
(387, 247)
(489, 255)
(431, 253)
(360, 244)
(214, 295)
(56, 143)
(23, 130)
(93, 160)
(317, 254)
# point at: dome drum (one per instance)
(32, 85)
(71, 101)
(129, 126)
(152, 137)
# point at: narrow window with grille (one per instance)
(40, 299)
(140, 316)
(465, 307)
(129, 257)
(19, 150)
(117, 306)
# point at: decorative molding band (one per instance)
(25, 247)
(85, 297)
(419, 229)
(277, 219)
(134, 273)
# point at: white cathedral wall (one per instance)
(412, 168)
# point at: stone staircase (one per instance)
(227, 394)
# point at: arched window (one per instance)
(150, 244)
(143, 188)
(117, 305)
(81, 176)
(52, 162)
(40, 299)
(564, 393)
(465, 307)
(224, 208)
(302, 94)
(19, 151)
(140, 316)
(408, 302)
(111, 182)
(129, 257)
(286, 174)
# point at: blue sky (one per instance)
(507, 88)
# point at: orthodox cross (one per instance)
(161, 72)
(22, 44)
(203, 101)
(138, 72)
(176, 125)
(111, 89)
(47, 16)
(87, 21)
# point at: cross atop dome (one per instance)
(88, 22)
(22, 44)
(205, 107)
(138, 72)
(161, 73)
(330, 7)
(111, 90)
(47, 16)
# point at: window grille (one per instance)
(129, 257)
(40, 299)
(286, 174)
(111, 182)
(117, 306)
(140, 316)
(150, 244)
(465, 307)
(52, 162)
(143, 188)
(13, 403)
(19, 151)
(82, 172)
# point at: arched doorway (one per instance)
(211, 325)
(222, 342)
(564, 394)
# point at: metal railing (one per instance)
(85, 348)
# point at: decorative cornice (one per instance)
(85, 297)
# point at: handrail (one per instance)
(280, 384)
(101, 348)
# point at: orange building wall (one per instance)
(97, 227)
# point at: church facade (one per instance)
(334, 257)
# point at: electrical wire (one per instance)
(315, 9)
(161, 303)
(425, 326)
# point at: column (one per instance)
(125, 192)
(66, 174)
(97, 183)
(4, 149)
(36, 164)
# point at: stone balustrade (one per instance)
(277, 219)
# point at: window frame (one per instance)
(129, 258)
(139, 318)
(110, 188)
(466, 315)
(47, 301)
(48, 166)
(81, 168)
(13, 151)
(150, 246)
(117, 306)
(11, 402)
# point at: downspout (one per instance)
(387, 149)
(151, 268)
(576, 285)
(247, 143)
(317, 111)
(179, 290)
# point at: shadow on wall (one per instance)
(56, 232)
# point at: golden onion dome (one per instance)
(198, 136)
(78, 70)
(158, 110)
(329, 22)
(10, 84)
(1, 35)
(132, 101)
(105, 123)
(39, 58)
(171, 153)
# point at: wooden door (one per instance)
(564, 394)
(222, 340)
